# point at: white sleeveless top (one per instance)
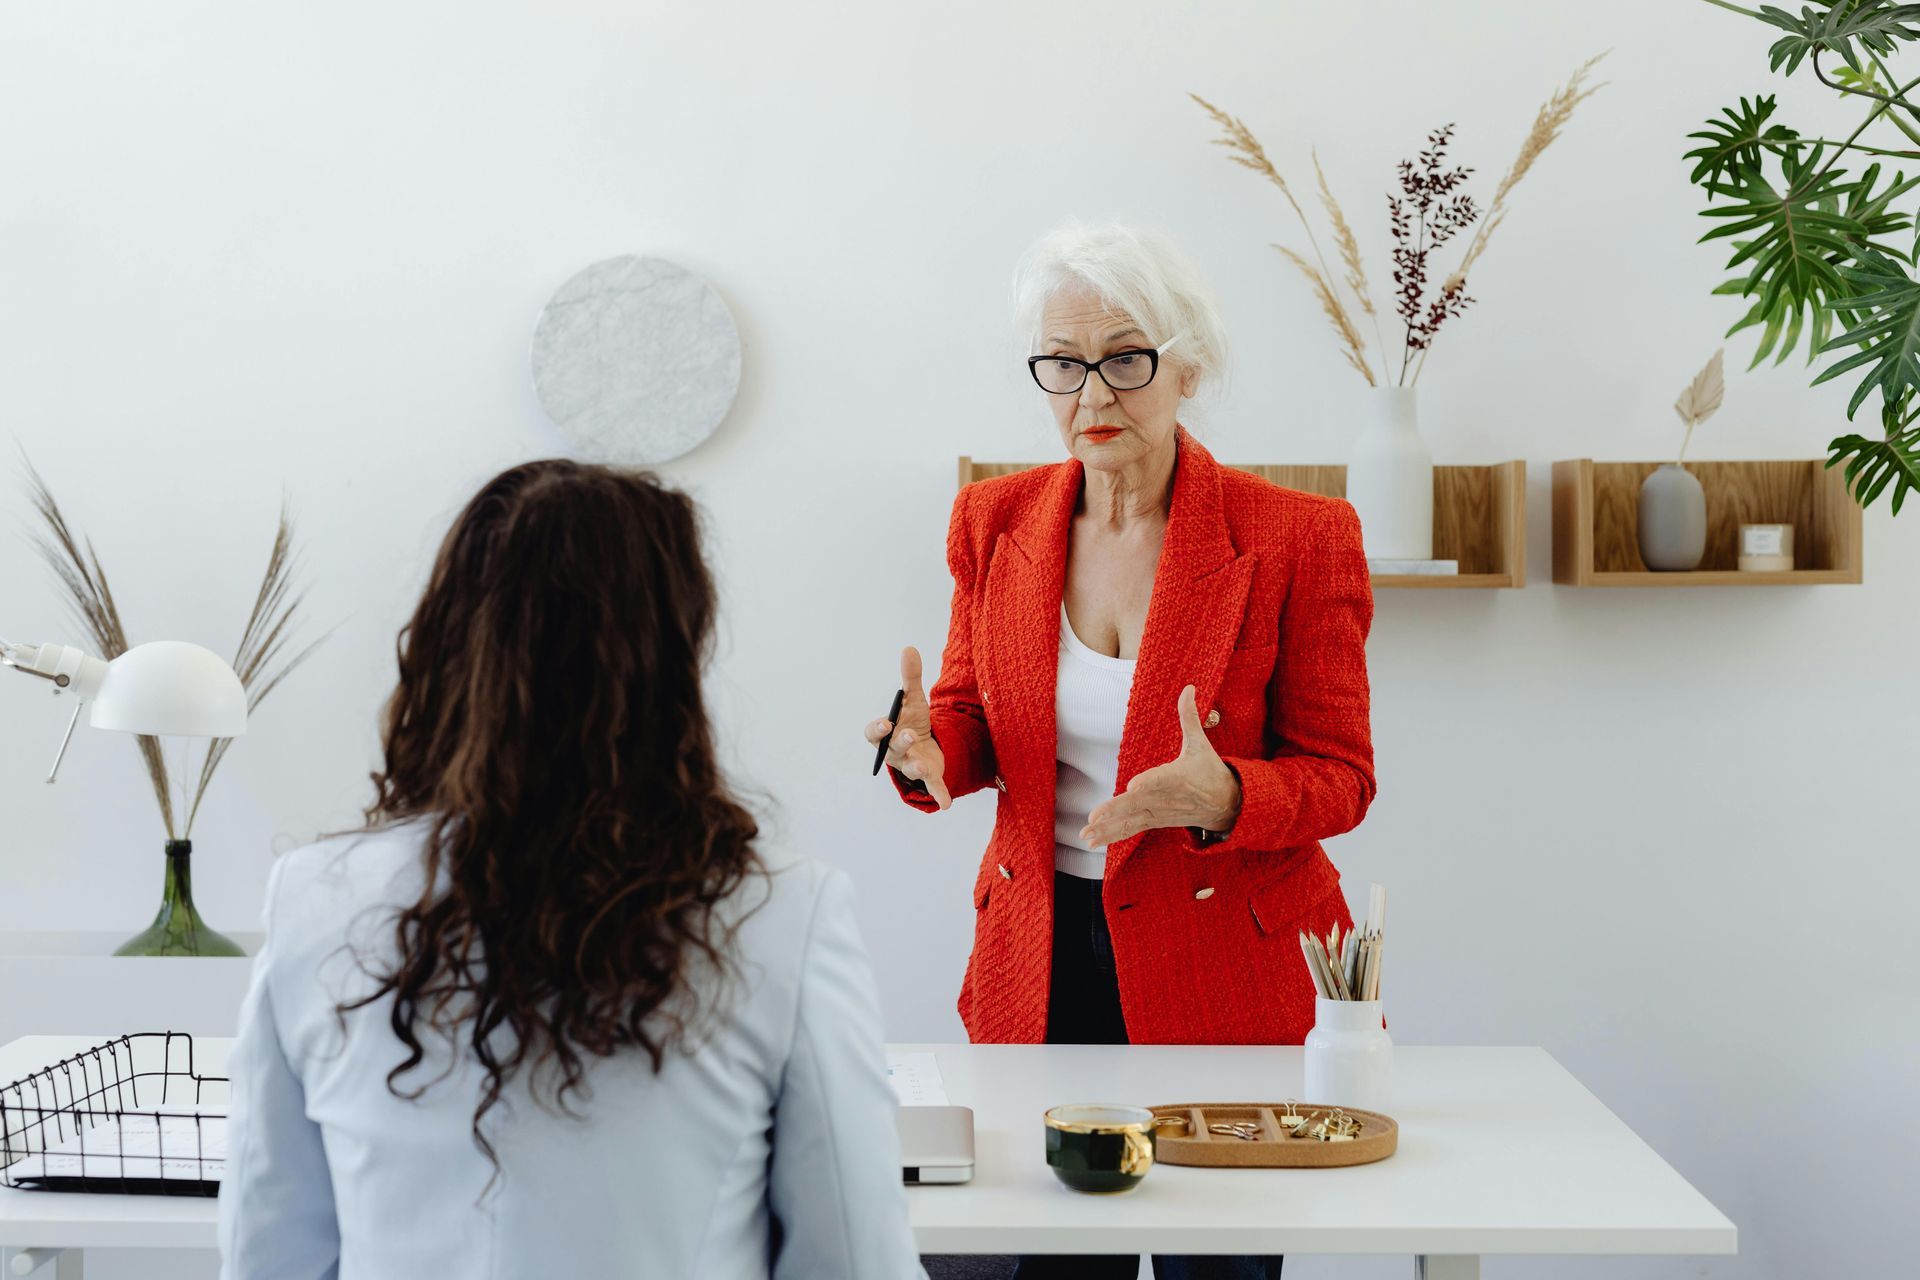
(1090, 711)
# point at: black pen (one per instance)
(893, 722)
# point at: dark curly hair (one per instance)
(548, 729)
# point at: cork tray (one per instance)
(1190, 1142)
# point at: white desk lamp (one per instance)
(165, 687)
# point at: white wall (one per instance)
(249, 248)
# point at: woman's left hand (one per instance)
(1195, 789)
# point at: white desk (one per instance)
(1501, 1151)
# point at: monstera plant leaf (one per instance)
(1889, 338)
(1864, 204)
(1869, 84)
(1876, 463)
(1836, 25)
(1739, 138)
(1792, 241)
(1785, 314)
(1800, 229)
(1811, 246)
(1872, 209)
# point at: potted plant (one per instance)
(1810, 235)
(261, 662)
(1672, 515)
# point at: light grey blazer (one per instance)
(770, 1151)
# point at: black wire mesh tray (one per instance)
(131, 1116)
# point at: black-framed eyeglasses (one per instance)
(1127, 370)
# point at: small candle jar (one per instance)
(1349, 1056)
(1765, 548)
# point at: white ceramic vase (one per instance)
(1349, 1059)
(1390, 478)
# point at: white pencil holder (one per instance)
(1349, 1056)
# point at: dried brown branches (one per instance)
(1428, 212)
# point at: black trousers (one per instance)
(1084, 1008)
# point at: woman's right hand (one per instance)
(913, 751)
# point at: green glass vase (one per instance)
(178, 930)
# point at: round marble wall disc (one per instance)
(636, 360)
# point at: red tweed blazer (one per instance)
(1261, 601)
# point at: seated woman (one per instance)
(552, 1013)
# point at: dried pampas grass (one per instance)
(1245, 150)
(260, 661)
(262, 642)
(1547, 124)
(91, 600)
(1352, 346)
(1349, 252)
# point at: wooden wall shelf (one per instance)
(1479, 517)
(1595, 532)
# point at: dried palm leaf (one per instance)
(1701, 399)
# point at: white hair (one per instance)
(1140, 273)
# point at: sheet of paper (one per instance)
(134, 1146)
(916, 1079)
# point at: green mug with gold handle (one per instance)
(1098, 1147)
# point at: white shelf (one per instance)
(69, 982)
(98, 943)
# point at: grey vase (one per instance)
(1673, 519)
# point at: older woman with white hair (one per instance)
(1158, 664)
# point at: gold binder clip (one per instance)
(1340, 1127)
(1290, 1120)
